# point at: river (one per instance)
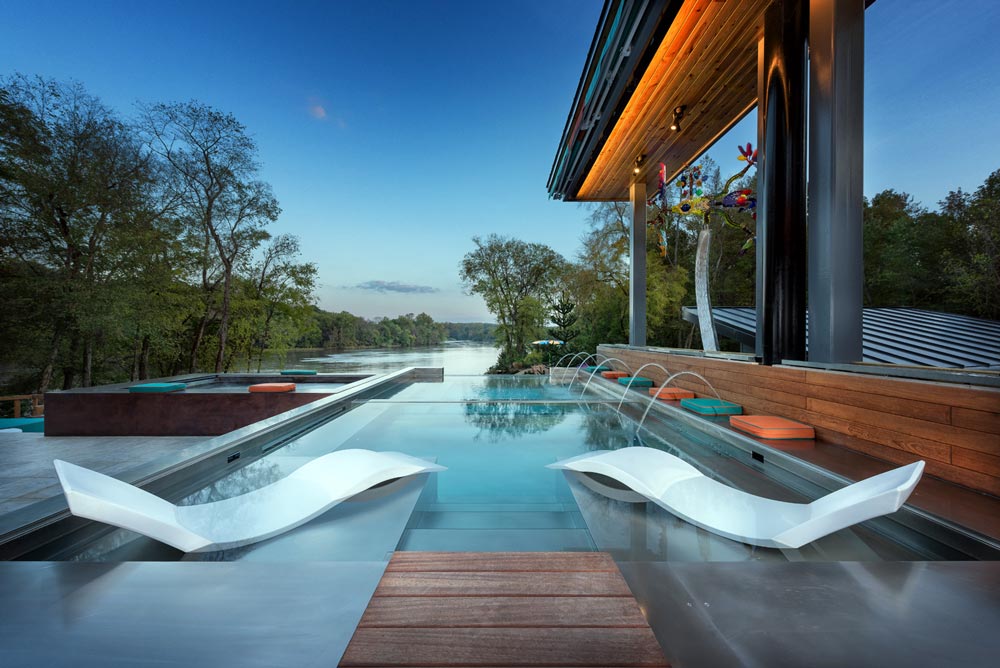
(457, 358)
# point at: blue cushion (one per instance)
(637, 381)
(158, 387)
(596, 369)
(711, 407)
(298, 372)
(24, 424)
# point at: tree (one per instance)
(600, 282)
(513, 277)
(977, 265)
(278, 295)
(563, 316)
(600, 279)
(73, 189)
(888, 263)
(213, 174)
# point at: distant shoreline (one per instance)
(343, 350)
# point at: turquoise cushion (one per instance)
(298, 372)
(712, 407)
(637, 381)
(596, 369)
(24, 424)
(158, 387)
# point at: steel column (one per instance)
(637, 266)
(781, 219)
(836, 161)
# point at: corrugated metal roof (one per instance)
(895, 336)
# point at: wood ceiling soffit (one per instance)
(655, 89)
(708, 62)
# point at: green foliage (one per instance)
(113, 265)
(601, 276)
(975, 265)
(564, 317)
(482, 332)
(947, 260)
(514, 278)
(344, 330)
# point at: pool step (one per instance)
(497, 520)
(496, 540)
(499, 530)
(498, 507)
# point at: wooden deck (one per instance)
(503, 609)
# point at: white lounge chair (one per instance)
(304, 494)
(683, 490)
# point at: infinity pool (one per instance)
(496, 434)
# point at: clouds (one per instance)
(317, 111)
(394, 286)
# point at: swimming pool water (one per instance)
(496, 434)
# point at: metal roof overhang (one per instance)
(647, 58)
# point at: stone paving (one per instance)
(27, 475)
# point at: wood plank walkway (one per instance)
(502, 609)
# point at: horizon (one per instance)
(404, 132)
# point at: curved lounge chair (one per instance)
(281, 506)
(683, 490)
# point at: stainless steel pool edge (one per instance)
(46, 529)
(958, 537)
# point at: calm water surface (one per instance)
(457, 358)
(496, 435)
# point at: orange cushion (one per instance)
(670, 393)
(766, 426)
(611, 375)
(272, 387)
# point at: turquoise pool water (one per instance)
(496, 434)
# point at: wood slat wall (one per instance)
(502, 609)
(955, 428)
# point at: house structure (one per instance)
(800, 64)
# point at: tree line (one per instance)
(137, 247)
(946, 260)
(344, 330)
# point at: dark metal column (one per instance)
(781, 219)
(637, 266)
(836, 161)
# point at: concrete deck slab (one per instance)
(882, 614)
(181, 614)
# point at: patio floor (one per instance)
(304, 614)
(27, 475)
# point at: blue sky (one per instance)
(393, 132)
